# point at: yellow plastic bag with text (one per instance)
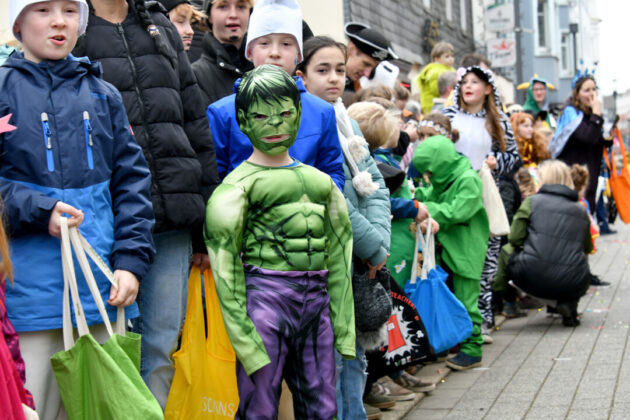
(204, 385)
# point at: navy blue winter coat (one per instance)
(73, 144)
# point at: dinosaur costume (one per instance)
(280, 245)
(454, 200)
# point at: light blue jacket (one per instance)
(369, 216)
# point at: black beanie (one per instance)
(171, 4)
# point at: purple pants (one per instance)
(290, 312)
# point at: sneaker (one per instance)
(463, 362)
(377, 397)
(510, 310)
(596, 281)
(442, 356)
(485, 333)
(413, 383)
(395, 391)
(607, 231)
(372, 412)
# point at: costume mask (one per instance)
(268, 109)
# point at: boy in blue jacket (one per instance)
(275, 37)
(71, 153)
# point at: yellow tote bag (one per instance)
(204, 385)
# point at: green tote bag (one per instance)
(97, 382)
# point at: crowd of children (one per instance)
(306, 211)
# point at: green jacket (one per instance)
(454, 200)
(285, 219)
(428, 84)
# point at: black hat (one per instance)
(171, 4)
(307, 33)
(392, 176)
(369, 41)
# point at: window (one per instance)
(566, 53)
(542, 27)
(448, 5)
(463, 15)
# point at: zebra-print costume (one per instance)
(505, 163)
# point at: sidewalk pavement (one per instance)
(538, 368)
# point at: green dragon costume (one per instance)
(280, 245)
(454, 200)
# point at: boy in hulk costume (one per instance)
(280, 244)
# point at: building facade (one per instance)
(556, 35)
(414, 26)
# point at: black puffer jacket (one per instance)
(552, 263)
(166, 112)
(215, 70)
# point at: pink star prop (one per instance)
(4, 124)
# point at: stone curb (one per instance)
(435, 373)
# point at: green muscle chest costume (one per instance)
(298, 221)
(286, 219)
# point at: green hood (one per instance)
(530, 103)
(437, 155)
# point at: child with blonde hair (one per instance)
(380, 129)
(548, 243)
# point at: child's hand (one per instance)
(61, 208)
(412, 131)
(375, 268)
(435, 226)
(423, 213)
(200, 260)
(127, 289)
(491, 161)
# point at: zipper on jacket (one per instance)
(134, 71)
(87, 129)
(48, 143)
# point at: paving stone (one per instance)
(443, 399)
(588, 414)
(551, 412)
(537, 369)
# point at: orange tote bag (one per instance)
(620, 181)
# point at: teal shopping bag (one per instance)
(97, 382)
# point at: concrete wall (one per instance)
(324, 17)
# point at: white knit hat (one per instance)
(16, 7)
(275, 17)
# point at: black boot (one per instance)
(568, 310)
(596, 281)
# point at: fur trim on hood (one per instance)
(484, 75)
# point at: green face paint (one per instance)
(271, 127)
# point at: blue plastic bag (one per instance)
(444, 316)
